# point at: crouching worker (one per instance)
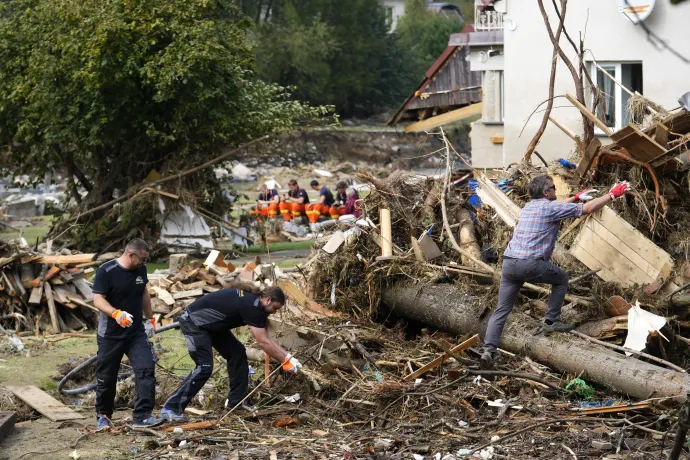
(206, 325)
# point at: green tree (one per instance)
(334, 52)
(424, 35)
(112, 89)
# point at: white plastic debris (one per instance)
(463, 452)
(462, 423)
(17, 342)
(418, 457)
(293, 399)
(178, 430)
(75, 455)
(418, 382)
(382, 443)
(448, 457)
(183, 444)
(487, 453)
(495, 438)
(323, 173)
(640, 324)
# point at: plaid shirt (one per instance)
(537, 229)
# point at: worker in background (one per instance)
(351, 208)
(323, 205)
(207, 323)
(294, 203)
(124, 323)
(527, 258)
(338, 208)
(267, 203)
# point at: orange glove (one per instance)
(122, 318)
(291, 365)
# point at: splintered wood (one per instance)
(491, 195)
(623, 254)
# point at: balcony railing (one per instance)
(488, 20)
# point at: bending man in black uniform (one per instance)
(123, 326)
(206, 325)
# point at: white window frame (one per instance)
(618, 93)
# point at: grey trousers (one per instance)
(515, 273)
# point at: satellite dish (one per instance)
(483, 56)
(509, 24)
(636, 10)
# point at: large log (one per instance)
(444, 307)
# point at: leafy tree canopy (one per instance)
(110, 89)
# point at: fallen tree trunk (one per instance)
(444, 307)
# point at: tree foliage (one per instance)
(334, 52)
(424, 35)
(110, 89)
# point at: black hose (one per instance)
(91, 360)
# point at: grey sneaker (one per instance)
(148, 422)
(486, 362)
(557, 326)
(172, 416)
(246, 406)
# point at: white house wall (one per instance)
(611, 37)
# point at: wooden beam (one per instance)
(73, 259)
(437, 362)
(568, 132)
(593, 118)
(44, 403)
(51, 308)
(590, 154)
(7, 421)
(443, 119)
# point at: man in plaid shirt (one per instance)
(527, 258)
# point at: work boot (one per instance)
(246, 406)
(172, 416)
(486, 362)
(103, 424)
(148, 422)
(557, 326)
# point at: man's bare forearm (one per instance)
(596, 204)
(103, 305)
(146, 305)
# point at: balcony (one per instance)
(488, 20)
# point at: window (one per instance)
(613, 108)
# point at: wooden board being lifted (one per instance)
(624, 255)
(637, 143)
(492, 196)
(48, 406)
(443, 119)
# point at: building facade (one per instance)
(516, 72)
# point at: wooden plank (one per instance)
(492, 196)
(211, 289)
(194, 286)
(496, 139)
(165, 296)
(299, 297)
(593, 118)
(36, 294)
(566, 130)
(60, 292)
(48, 406)
(661, 135)
(73, 259)
(650, 252)
(83, 288)
(51, 308)
(65, 276)
(437, 362)
(443, 119)
(7, 421)
(623, 254)
(590, 153)
(417, 250)
(174, 312)
(638, 144)
(186, 294)
(619, 245)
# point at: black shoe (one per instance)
(246, 406)
(486, 362)
(557, 326)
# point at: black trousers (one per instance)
(201, 343)
(140, 354)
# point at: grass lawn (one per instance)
(282, 246)
(38, 230)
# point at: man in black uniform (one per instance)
(206, 325)
(121, 296)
